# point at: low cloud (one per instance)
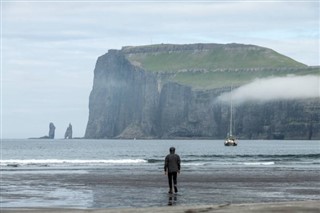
(278, 88)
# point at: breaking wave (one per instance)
(187, 160)
(61, 162)
(260, 157)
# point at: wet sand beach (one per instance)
(283, 207)
(120, 190)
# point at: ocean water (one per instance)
(119, 173)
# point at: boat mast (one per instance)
(230, 133)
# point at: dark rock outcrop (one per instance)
(68, 133)
(128, 102)
(52, 130)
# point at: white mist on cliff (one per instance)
(275, 88)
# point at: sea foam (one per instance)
(48, 162)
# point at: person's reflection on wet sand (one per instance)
(172, 199)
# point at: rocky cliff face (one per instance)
(123, 101)
(294, 119)
(128, 102)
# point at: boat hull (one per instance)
(230, 142)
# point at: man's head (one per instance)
(172, 150)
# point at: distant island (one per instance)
(170, 91)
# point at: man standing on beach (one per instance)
(172, 168)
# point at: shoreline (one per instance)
(71, 175)
(99, 189)
(309, 206)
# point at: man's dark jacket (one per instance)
(172, 163)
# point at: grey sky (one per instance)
(49, 48)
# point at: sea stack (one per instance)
(52, 129)
(68, 134)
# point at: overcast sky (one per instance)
(49, 48)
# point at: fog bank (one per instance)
(278, 88)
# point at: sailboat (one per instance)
(230, 140)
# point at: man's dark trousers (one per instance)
(172, 175)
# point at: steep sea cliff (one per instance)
(133, 96)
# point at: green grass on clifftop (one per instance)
(220, 57)
(212, 80)
(208, 66)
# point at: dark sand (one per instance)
(225, 190)
(284, 207)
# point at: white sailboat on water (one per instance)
(231, 139)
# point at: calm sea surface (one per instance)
(22, 161)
